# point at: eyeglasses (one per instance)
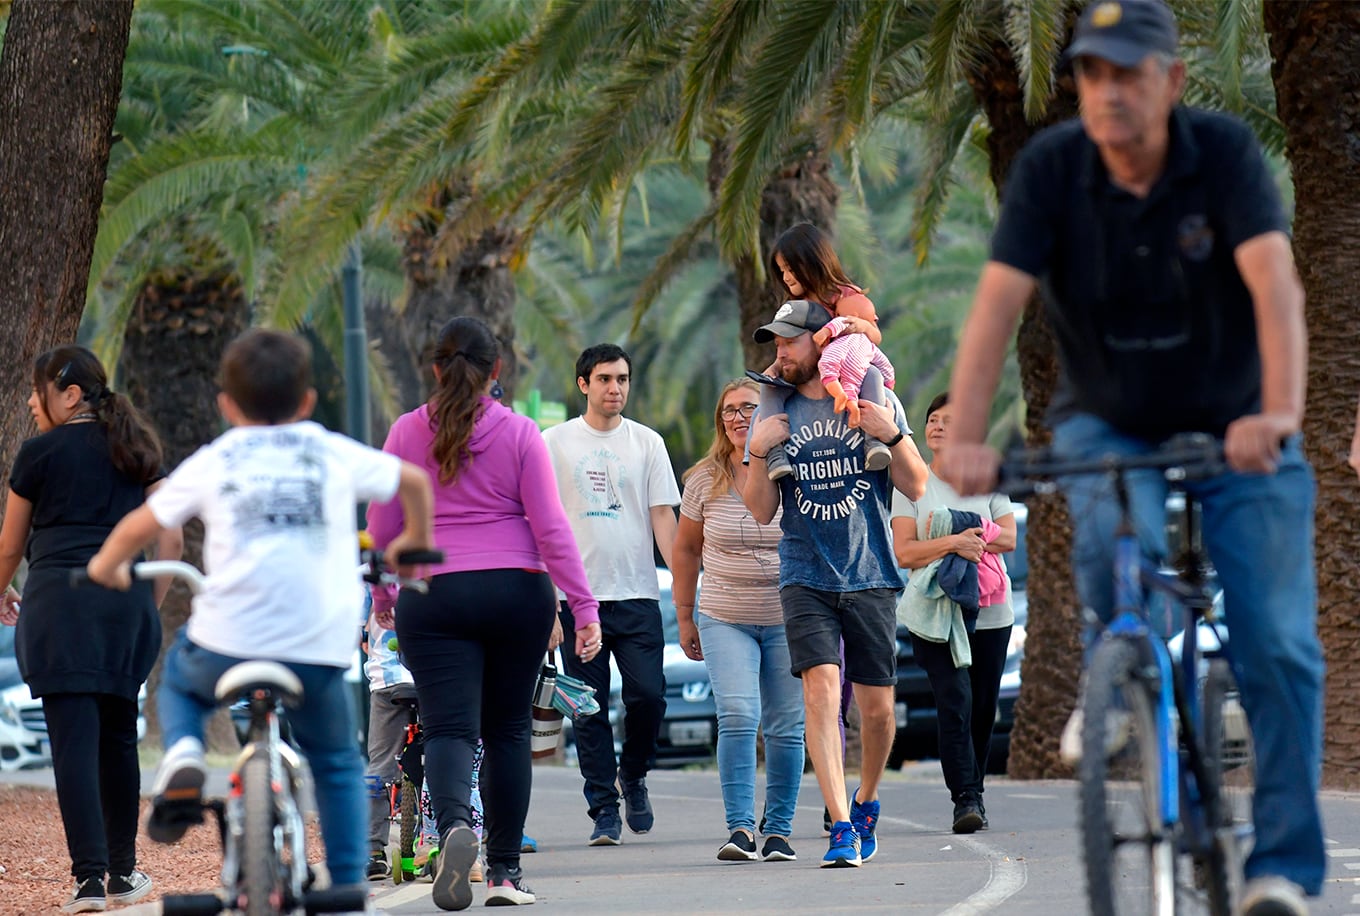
(746, 410)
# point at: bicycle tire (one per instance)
(1130, 860)
(261, 879)
(1230, 762)
(410, 822)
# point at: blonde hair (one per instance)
(719, 457)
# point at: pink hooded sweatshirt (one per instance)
(502, 512)
(991, 574)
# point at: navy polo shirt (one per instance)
(1155, 329)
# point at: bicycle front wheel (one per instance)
(262, 871)
(1130, 855)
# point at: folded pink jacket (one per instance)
(991, 571)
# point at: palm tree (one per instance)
(1316, 51)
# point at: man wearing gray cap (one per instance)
(1163, 252)
(837, 573)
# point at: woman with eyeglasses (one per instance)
(739, 634)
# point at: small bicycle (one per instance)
(260, 824)
(1167, 768)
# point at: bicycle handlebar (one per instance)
(1189, 456)
(150, 569)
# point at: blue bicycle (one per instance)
(1167, 770)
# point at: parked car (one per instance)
(689, 731)
(917, 716)
(21, 747)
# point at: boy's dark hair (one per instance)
(600, 353)
(267, 373)
(936, 403)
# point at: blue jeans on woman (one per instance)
(753, 686)
(323, 727)
(1258, 531)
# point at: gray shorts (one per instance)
(816, 622)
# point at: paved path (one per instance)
(1026, 865)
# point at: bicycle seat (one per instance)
(405, 696)
(248, 676)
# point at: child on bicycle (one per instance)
(276, 494)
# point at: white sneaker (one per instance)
(182, 772)
(1116, 734)
(1271, 895)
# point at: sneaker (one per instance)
(506, 887)
(128, 888)
(86, 897)
(772, 381)
(636, 806)
(457, 853)
(527, 843)
(777, 849)
(982, 809)
(1116, 734)
(864, 817)
(177, 795)
(1271, 895)
(777, 464)
(968, 815)
(826, 822)
(844, 849)
(877, 455)
(607, 828)
(740, 847)
(378, 867)
(477, 873)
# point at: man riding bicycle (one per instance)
(1163, 252)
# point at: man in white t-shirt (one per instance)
(619, 491)
(276, 494)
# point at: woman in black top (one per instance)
(84, 653)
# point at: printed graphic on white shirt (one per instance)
(600, 477)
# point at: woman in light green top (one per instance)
(965, 697)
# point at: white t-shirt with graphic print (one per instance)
(609, 482)
(280, 550)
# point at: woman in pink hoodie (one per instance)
(476, 641)
(964, 697)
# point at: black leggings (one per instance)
(94, 763)
(475, 645)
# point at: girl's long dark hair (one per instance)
(134, 447)
(810, 257)
(465, 354)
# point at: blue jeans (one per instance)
(323, 727)
(1258, 531)
(748, 666)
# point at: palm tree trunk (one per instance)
(1316, 52)
(475, 280)
(1052, 663)
(192, 317)
(64, 58)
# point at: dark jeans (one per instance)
(966, 701)
(632, 632)
(94, 763)
(475, 645)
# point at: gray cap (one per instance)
(795, 317)
(1123, 31)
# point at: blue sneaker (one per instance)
(865, 819)
(844, 851)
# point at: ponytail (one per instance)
(465, 355)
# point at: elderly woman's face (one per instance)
(937, 428)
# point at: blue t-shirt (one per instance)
(836, 514)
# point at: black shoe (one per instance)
(777, 849)
(505, 887)
(738, 848)
(967, 816)
(378, 867)
(607, 828)
(637, 807)
(128, 888)
(982, 809)
(772, 381)
(87, 897)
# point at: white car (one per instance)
(20, 746)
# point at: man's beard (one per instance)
(798, 373)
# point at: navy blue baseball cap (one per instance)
(1123, 32)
